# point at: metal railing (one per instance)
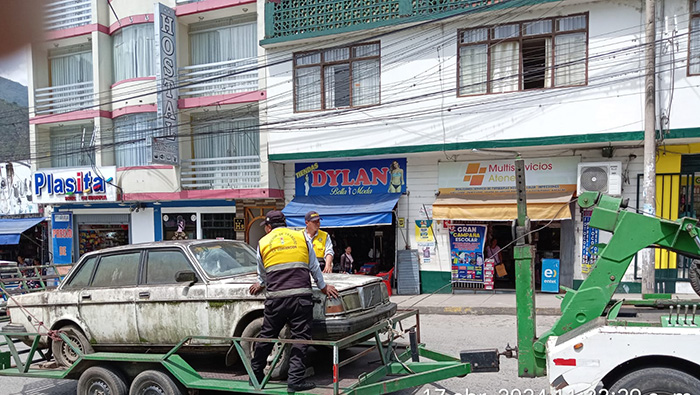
(237, 172)
(64, 14)
(64, 98)
(244, 78)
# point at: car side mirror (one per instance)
(186, 276)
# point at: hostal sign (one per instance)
(74, 185)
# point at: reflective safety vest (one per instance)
(285, 256)
(319, 243)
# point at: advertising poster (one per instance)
(550, 275)
(16, 189)
(425, 239)
(467, 253)
(589, 243)
(62, 235)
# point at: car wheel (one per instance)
(155, 382)
(101, 381)
(657, 381)
(694, 275)
(64, 354)
(253, 330)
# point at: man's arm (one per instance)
(314, 267)
(329, 253)
(262, 276)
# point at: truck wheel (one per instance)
(657, 381)
(253, 330)
(64, 354)
(101, 381)
(155, 382)
(694, 275)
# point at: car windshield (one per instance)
(225, 258)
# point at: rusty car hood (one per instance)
(341, 281)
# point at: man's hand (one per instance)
(328, 268)
(255, 289)
(330, 291)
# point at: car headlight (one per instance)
(334, 306)
(385, 293)
(352, 301)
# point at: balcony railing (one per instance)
(236, 76)
(63, 14)
(65, 98)
(237, 172)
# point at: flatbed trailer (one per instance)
(398, 365)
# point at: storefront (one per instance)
(26, 237)
(474, 214)
(357, 202)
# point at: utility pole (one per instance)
(649, 185)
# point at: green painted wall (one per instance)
(431, 281)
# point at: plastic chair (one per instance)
(386, 279)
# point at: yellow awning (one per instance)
(497, 207)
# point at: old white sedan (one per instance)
(151, 296)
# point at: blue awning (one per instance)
(12, 228)
(343, 211)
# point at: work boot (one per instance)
(301, 386)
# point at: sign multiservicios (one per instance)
(165, 148)
(80, 184)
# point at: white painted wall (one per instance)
(142, 226)
(419, 62)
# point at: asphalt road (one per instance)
(445, 333)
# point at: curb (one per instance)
(453, 310)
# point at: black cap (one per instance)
(312, 216)
(273, 217)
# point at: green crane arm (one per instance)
(632, 232)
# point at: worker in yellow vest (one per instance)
(285, 259)
(320, 240)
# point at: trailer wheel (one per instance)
(64, 354)
(101, 381)
(155, 382)
(253, 330)
(657, 381)
(694, 275)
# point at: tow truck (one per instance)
(589, 350)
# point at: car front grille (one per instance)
(371, 295)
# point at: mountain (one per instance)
(14, 121)
(13, 92)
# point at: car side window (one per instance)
(117, 270)
(81, 279)
(162, 266)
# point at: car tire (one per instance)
(253, 330)
(155, 382)
(63, 353)
(99, 380)
(657, 380)
(694, 275)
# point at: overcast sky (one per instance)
(13, 66)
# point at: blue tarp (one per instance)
(11, 228)
(343, 211)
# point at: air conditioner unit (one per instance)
(604, 177)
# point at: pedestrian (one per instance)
(320, 240)
(346, 261)
(493, 251)
(285, 259)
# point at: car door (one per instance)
(107, 305)
(168, 311)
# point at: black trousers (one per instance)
(297, 311)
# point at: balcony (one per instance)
(64, 14)
(236, 76)
(296, 19)
(237, 172)
(65, 98)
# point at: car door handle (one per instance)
(144, 294)
(86, 296)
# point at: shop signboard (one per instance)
(467, 253)
(498, 176)
(350, 178)
(62, 237)
(165, 149)
(550, 275)
(16, 189)
(75, 185)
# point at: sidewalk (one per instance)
(488, 303)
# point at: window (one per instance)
(82, 278)
(337, 78)
(225, 134)
(71, 65)
(694, 39)
(117, 270)
(72, 146)
(162, 266)
(132, 135)
(133, 54)
(521, 56)
(218, 225)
